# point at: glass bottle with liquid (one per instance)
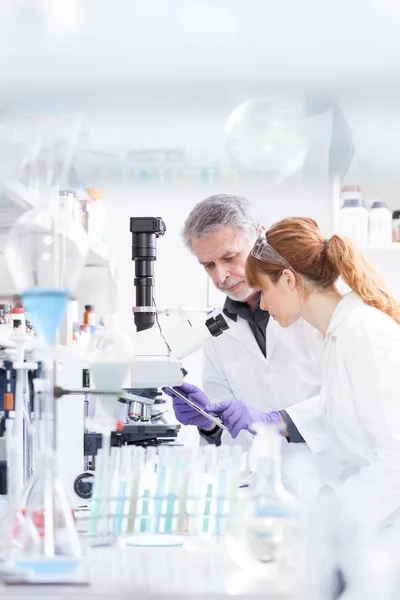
(262, 523)
(89, 316)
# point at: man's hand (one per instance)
(187, 415)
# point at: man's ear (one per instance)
(260, 229)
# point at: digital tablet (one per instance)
(211, 418)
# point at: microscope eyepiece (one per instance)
(145, 231)
(217, 325)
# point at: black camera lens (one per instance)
(145, 231)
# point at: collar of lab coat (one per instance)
(241, 331)
(347, 305)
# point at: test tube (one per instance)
(137, 462)
(173, 489)
(122, 489)
(162, 469)
(208, 488)
(97, 493)
(224, 456)
(188, 460)
(195, 490)
(147, 491)
(115, 464)
(105, 494)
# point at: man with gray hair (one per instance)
(255, 360)
(231, 215)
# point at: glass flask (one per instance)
(45, 528)
(43, 544)
(265, 138)
(110, 356)
(261, 525)
(45, 255)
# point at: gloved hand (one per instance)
(238, 415)
(186, 414)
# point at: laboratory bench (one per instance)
(194, 570)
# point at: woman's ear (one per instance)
(289, 279)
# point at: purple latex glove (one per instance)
(184, 413)
(238, 415)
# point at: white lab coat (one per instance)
(235, 367)
(360, 406)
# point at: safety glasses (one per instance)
(263, 251)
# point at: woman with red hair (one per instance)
(297, 269)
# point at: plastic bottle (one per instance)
(380, 224)
(353, 216)
(18, 317)
(396, 226)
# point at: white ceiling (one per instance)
(156, 73)
(134, 49)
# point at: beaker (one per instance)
(261, 524)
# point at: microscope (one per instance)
(150, 373)
(157, 364)
(146, 422)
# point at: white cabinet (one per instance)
(385, 258)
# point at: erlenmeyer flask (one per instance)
(110, 357)
(260, 528)
(45, 546)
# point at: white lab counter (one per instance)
(195, 570)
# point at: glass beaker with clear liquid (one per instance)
(262, 523)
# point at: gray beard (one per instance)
(242, 297)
